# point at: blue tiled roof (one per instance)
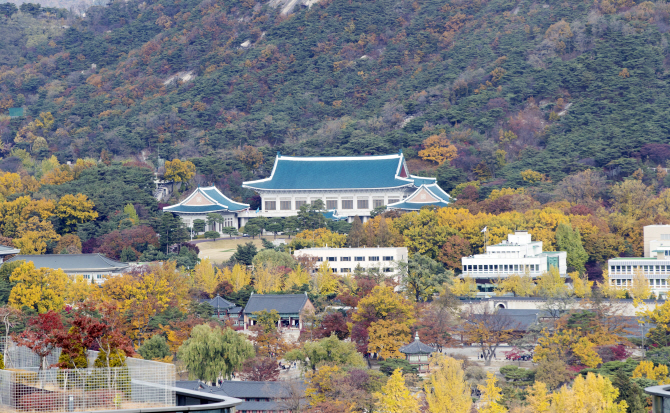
(220, 198)
(220, 203)
(334, 173)
(420, 180)
(332, 215)
(411, 204)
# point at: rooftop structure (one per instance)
(417, 353)
(346, 260)
(517, 255)
(289, 306)
(7, 251)
(656, 237)
(347, 185)
(208, 200)
(93, 267)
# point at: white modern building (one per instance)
(518, 255)
(346, 260)
(349, 186)
(656, 237)
(655, 269)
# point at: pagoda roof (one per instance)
(336, 172)
(218, 303)
(425, 195)
(206, 200)
(416, 347)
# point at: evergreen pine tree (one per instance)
(630, 392)
(128, 255)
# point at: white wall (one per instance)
(342, 259)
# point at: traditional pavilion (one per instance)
(348, 186)
(418, 354)
(204, 201)
(289, 306)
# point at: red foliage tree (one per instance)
(453, 249)
(332, 323)
(137, 238)
(39, 336)
(260, 369)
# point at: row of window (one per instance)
(386, 269)
(330, 204)
(357, 259)
(502, 268)
(628, 282)
(628, 269)
(89, 276)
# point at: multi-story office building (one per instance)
(655, 269)
(518, 255)
(345, 260)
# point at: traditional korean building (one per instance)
(208, 200)
(93, 267)
(225, 310)
(348, 186)
(289, 306)
(418, 354)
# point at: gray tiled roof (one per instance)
(416, 347)
(259, 406)
(283, 303)
(73, 262)
(255, 389)
(218, 303)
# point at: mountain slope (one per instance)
(577, 83)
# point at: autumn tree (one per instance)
(69, 244)
(447, 391)
(34, 236)
(39, 336)
(491, 396)
(487, 330)
(640, 288)
(260, 369)
(238, 276)
(75, 209)
(438, 149)
(43, 289)
(178, 171)
(251, 157)
(395, 397)
(211, 353)
(454, 248)
(590, 393)
(205, 276)
(390, 317)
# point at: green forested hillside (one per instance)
(553, 87)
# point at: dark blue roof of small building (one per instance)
(219, 303)
(361, 172)
(416, 347)
(218, 202)
(282, 303)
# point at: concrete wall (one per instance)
(654, 233)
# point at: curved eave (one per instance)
(326, 189)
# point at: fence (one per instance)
(24, 387)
